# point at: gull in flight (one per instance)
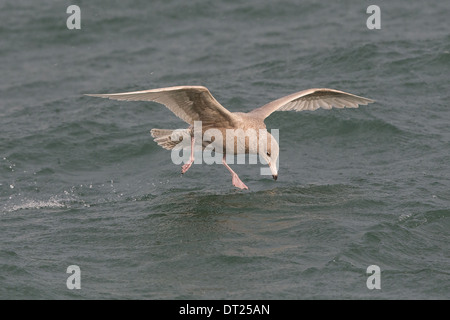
(196, 103)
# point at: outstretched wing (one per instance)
(311, 99)
(189, 103)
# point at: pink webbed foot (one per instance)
(238, 183)
(185, 167)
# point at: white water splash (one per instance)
(36, 204)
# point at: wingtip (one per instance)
(366, 101)
(94, 95)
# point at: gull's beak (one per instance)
(273, 168)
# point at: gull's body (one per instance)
(195, 103)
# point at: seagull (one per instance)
(196, 103)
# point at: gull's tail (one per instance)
(169, 139)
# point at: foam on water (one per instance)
(36, 204)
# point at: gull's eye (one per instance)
(268, 153)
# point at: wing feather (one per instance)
(312, 99)
(189, 103)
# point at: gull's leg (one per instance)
(236, 181)
(187, 165)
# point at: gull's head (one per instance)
(270, 155)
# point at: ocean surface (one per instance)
(83, 183)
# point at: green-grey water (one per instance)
(83, 183)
